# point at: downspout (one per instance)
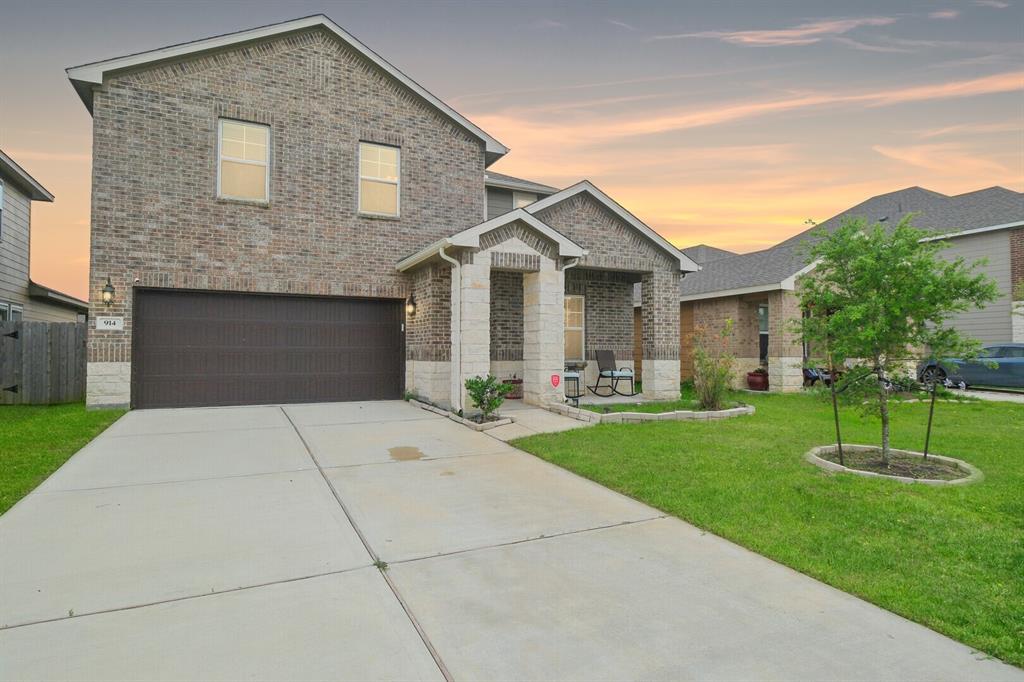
(456, 330)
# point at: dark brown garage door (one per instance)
(197, 348)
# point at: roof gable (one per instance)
(85, 77)
(470, 238)
(585, 186)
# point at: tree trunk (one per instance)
(931, 413)
(835, 407)
(883, 411)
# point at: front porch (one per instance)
(519, 301)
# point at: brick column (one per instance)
(471, 324)
(543, 333)
(785, 352)
(660, 310)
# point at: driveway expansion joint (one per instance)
(373, 555)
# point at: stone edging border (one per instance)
(459, 420)
(974, 474)
(583, 415)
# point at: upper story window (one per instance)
(520, 199)
(244, 164)
(379, 184)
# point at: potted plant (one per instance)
(758, 379)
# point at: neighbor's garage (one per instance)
(192, 348)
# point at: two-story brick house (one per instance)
(284, 216)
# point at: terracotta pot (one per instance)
(757, 381)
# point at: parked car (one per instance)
(998, 365)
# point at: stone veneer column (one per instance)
(543, 333)
(660, 310)
(785, 352)
(471, 293)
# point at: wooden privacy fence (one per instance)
(42, 362)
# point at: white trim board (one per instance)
(685, 263)
(87, 76)
(976, 230)
(470, 238)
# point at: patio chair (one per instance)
(609, 371)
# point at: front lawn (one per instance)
(951, 558)
(36, 439)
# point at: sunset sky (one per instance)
(723, 123)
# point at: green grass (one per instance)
(36, 439)
(951, 558)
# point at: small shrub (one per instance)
(712, 365)
(487, 394)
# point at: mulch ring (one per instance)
(899, 465)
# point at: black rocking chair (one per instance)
(607, 370)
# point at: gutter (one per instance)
(456, 328)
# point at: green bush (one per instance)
(712, 366)
(488, 394)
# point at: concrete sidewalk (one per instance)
(247, 543)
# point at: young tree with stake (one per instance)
(878, 296)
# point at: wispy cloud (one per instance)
(503, 94)
(994, 4)
(972, 129)
(944, 159)
(944, 14)
(622, 24)
(858, 45)
(547, 24)
(803, 34)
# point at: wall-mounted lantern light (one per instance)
(108, 292)
(410, 306)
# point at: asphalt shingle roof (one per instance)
(935, 212)
(702, 253)
(510, 180)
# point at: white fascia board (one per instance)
(685, 263)
(790, 282)
(733, 292)
(470, 238)
(86, 76)
(423, 254)
(519, 186)
(977, 230)
(20, 177)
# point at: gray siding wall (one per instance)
(14, 246)
(993, 323)
(499, 202)
(40, 311)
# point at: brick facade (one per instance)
(156, 219)
(608, 310)
(507, 315)
(428, 330)
(1017, 263)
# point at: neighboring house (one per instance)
(758, 291)
(284, 216)
(20, 297)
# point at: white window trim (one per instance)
(265, 164)
(515, 195)
(15, 308)
(6, 307)
(582, 328)
(359, 180)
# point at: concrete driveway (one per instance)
(240, 543)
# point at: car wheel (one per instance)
(933, 374)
